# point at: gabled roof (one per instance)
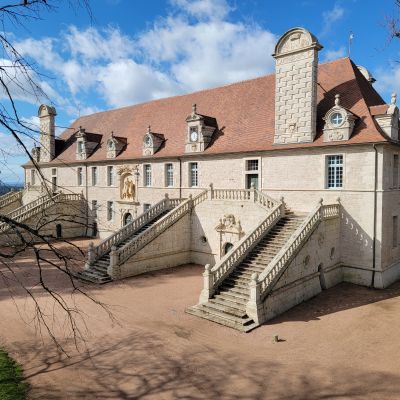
(244, 112)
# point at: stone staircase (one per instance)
(228, 305)
(97, 272)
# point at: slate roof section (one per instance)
(244, 111)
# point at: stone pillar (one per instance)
(167, 202)
(211, 191)
(90, 254)
(208, 289)
(46, 116)
(296, 55)
(253, 192)
(254, 307)
(113, 262)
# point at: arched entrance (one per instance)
(58, 231)
(321, 277)
(227, 247)
(128, 218)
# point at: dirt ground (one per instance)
(342, 344)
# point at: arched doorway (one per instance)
(227, 247)
(322, 281)
(128, 218)
(58, 231)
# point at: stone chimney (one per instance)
(46, 116)
(296, 55)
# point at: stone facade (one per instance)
(296, 55)
(304, 163)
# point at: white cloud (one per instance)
(388, 80)
(194, 48)
(207, 9)
(330, 17)
(330, 55)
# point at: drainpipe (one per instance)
(87, 199)
(375, 216)
(180, 178)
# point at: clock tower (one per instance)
(200, 129)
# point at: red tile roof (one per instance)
(244, 112)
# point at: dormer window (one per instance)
(339, 123)
(152, 142)
(115, 145)
(200, 129)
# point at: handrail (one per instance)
(36, 206)
(253, 194)
(105, 246)
(246, 244)
(9, 197)
(132, 247)
(279, 263)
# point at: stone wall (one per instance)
(316, 267)
(170, 249)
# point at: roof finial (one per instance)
(337, 99)
(194, 109)
(149, 129)
(394, 98)
(112, 134)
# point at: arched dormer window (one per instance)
(339, 123)
(152, 142)
(81, 141)
(114, 146)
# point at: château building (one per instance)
(282, 186)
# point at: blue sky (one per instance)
(134, 51)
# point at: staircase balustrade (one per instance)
(132, 247)
(10, 197)
(126, 231)
(37, 206)
(278, 264)
(213, 277)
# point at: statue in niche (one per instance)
(127, 188)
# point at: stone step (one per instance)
(226, 288)
(231, 282)
(236, 312)
(218, 299)
(239, 297)
(238, 325)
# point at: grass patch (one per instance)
(12, 386)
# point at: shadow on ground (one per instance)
(141, 366)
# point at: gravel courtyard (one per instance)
(342, 344)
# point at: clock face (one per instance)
(194, 136)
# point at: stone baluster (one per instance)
(208, 285)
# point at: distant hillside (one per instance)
(5, 188)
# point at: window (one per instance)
(110, 210)
(54, 171)
(169, 175)
(395, 230)
(251, 181)
(395, 170)
(252, 165)
(110, 176)
(80, 147)
(147, 175)
(336, 119)
(80, 176)
(193, 174)
(334, 172)
(94, 176)
(94, 208)
(146, 206)
(33, 176)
